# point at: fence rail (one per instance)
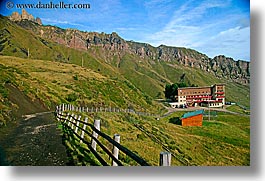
(79, 127)
(69, 107)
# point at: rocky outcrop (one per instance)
(227, 67)
(78, 39)
(38, 20)
(221, 66)
(15, 16)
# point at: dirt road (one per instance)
(172, 110)
(32, 137)
(35, 141)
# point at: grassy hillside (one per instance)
(222, 141)
(54, 83)
(225, 140)
(144, 75)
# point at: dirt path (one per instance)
(35, 141)
(32, 137)
(172, 110)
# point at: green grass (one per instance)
(7, 77)
(238, 109)
(55, 83)
(146, 75)
(225, 140)
(222, 141)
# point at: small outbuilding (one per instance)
(192, 118)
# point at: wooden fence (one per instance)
(69, 107)
(81, 129)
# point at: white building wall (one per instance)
(182, 100)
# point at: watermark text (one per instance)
(50, 5)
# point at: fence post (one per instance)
(61, 115)
(77, 124)
(115, 150)
(67, 117)
(97, 126)
(58, 116)
(74, 121)
(165, 159)
(84, 128)
(71, 117)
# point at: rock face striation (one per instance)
(15, 16)
(112, 44)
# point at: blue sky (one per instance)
(213, 27)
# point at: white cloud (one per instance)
(56, 22)
(234, 42)
(178, 31)
(187, 12)
(178, 36)
(188, 28)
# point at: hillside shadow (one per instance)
(175, 120)
(3, 161)
(25, 104)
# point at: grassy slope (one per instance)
(146, 75)
(52, 82)
(221, 142)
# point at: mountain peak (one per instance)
(15, 16)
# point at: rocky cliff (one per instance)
(15, 16)
(221, 66)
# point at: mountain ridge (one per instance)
(117, 59)
(220, 66)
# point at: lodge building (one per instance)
(208, 96)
